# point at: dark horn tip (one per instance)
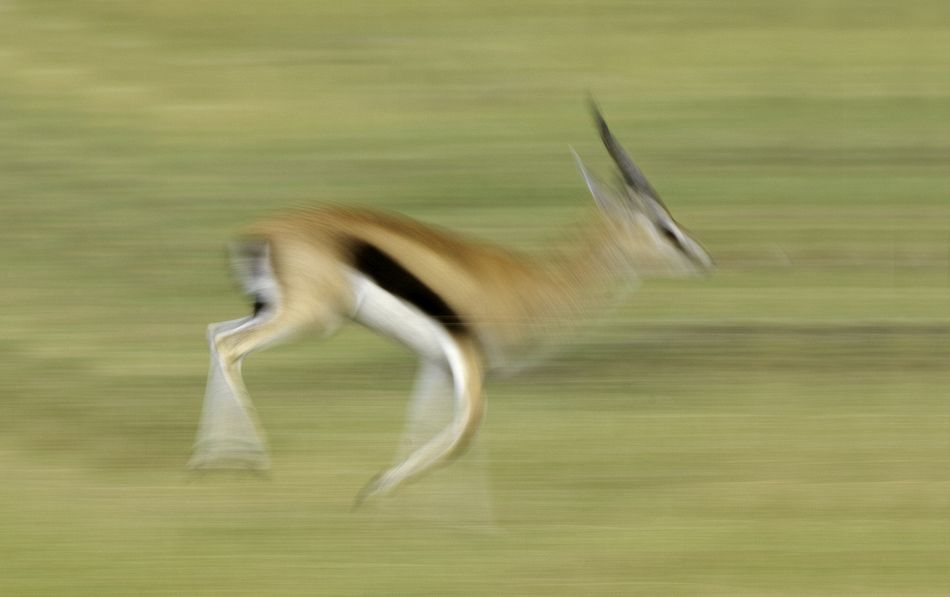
(592, 105)
(597, 116)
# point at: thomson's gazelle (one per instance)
(464, 307)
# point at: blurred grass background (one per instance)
(782, 428)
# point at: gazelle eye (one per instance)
(671, 236)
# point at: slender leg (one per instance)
(465, 366)
(230, 435)
(460, 495)
(430, 408)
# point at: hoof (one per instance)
(229, 456)
(373, 488)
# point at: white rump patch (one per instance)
(250, 262)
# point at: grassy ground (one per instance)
(780, 429)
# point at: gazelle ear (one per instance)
(646, 204)
(605, 199)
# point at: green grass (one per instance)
(781, 428)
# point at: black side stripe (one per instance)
(397, 280)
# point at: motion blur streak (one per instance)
(779, 428)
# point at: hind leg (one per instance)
(229, 435)
(308, 295)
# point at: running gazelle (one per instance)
(464, 307)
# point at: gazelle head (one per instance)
(645, 234)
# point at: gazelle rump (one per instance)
(463, 306)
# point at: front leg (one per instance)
(462, 494)
(467, 374)
(430, 407)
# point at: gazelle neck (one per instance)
(575, 279)
(590, 266)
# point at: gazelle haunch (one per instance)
(464, 307)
